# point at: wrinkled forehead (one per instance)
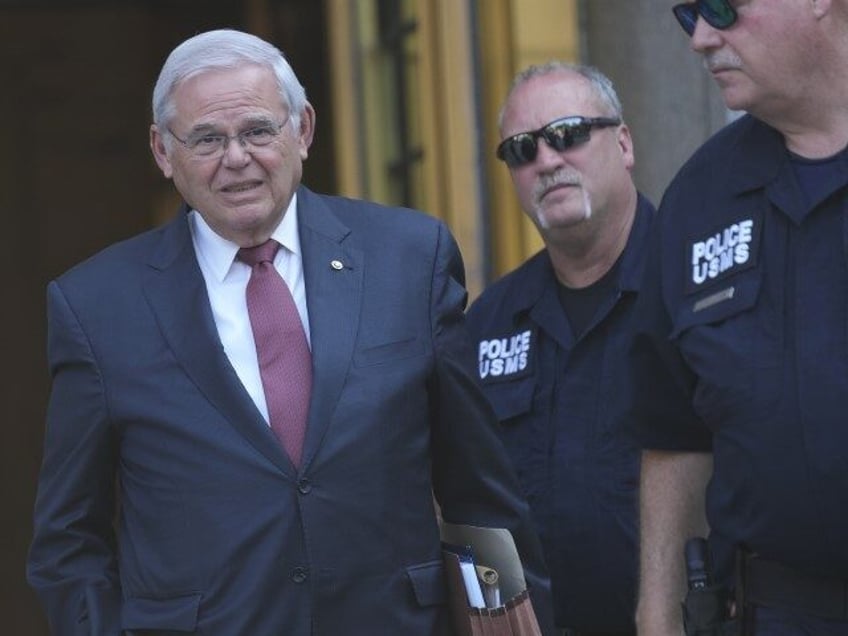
(244, 89)
(221, 86)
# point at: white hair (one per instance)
(224, 49)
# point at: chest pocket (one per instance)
(511, 400)
(730, 337)
(524, 431)
(399, 348)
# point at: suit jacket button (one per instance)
(298, 575)
(304, 487)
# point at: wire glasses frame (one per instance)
(213, 145)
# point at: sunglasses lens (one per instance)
(687, 16)
(718, 13)
(518, 150)
(565, 135)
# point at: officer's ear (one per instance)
(625, 145)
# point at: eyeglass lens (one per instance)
(719, 14)
(209, 144)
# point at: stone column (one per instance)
(670, 102)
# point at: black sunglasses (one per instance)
(560, 135)
(719, 14)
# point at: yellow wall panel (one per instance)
(346, 117)
(544, 29)
(515, 34)
(442, 111)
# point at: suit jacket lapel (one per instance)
(333, 276)
(177, 294)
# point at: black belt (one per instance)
(567, 631)
(772, 584)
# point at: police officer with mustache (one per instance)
(740, 367)
(552, 334)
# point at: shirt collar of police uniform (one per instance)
(538, 273)
(758, 154)
(761, 161)
(631, 262)
(219, 254)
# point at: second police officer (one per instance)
(552, 334)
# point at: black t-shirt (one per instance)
(819, 178)
(581, 305)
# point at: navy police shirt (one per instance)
(556, 397)
(743, 329)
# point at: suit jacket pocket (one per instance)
(177, 613)
(428, 583)
(386, 352)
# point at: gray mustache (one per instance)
(721, 59)
(558, 178)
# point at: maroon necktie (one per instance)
(285, 362)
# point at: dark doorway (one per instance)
(76, 175)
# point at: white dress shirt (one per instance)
(226, 281)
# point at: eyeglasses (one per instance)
(719, 14)
(560, 135)
(212, 145)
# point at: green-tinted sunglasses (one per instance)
(719, 14)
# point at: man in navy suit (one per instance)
(166, 504)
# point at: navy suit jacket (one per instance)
(166, 505)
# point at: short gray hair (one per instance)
(600, 83)
(224, 49)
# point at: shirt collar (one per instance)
(632, 259)
(539, 277)
(219, 254)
